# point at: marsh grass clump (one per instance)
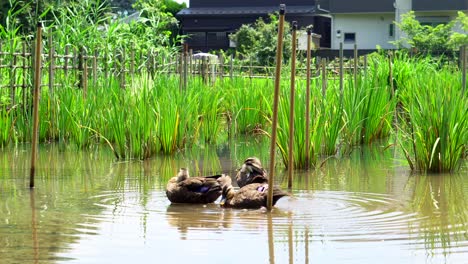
(434, 121)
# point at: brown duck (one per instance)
(251, 196)
(251, 172)
(185, 189)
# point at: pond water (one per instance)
(365, 208)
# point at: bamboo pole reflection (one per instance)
(271, 242)
(34, 226)
(290, 240)
(306, 245)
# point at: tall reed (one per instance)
(434, 121)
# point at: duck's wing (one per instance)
(201, 184)
(255, 196)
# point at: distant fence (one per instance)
(80, 67)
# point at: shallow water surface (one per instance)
(367, 208)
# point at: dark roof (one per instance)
(362, 6)
(251, 10)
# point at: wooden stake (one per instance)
(355, 64)
(51, 65)
(307, 117)
(279, 53)
(37, 86)
(291, 108)
(463, 64)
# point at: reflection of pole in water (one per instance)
(34, 226)
(306, 244)
(271, 242)
(290, 240)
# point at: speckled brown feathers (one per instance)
(185, 189)
(251, 172)
(252, 196)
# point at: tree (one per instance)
(437, 39)
(258, 40)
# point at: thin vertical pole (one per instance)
(37, 86)
(25, 68)
(291, 106)
(279, 53)
(324, 77)
(12, 72)
(341, 72)
(51, 65)
(221, 66)
(307, 117)
(1, 60)
(65, 62)
(85, 73)
(463, 64)
(96, 54)
(355, 64)
(181, 71)
(231, 66)
(390, 58)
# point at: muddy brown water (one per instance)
(365, 208)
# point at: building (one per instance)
(366, 23)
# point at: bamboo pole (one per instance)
(25, 68)
(324, 77)
(181, 71)
(355, 64)
(65, 61)
(291, 106)
(231, 66)
(51, 65)
(122, 69)
(391, 73)
(341, 73)
(1, 59)
(463, 64)
(221, 66)
(307, 117)
(37, 86)
(95, 56)
(12, 72)
(279, 53)
(85, 74)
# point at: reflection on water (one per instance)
(363, 209)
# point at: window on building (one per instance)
(216, 39)
(391, 30)
(197, 38)
(350, 37)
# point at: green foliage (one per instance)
(434, 39)
(435, 121)
(258, 41)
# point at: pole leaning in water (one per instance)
(37, 86)
(279, 53)
(291, 107)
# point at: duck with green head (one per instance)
(251, 172)
(185, 189)
(251, 196)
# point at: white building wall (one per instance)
(401, 7)
(370, 30)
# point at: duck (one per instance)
(251, 172)
(196, 190)
(251, 196)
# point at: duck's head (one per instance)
(253, 161)
(183, 174)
